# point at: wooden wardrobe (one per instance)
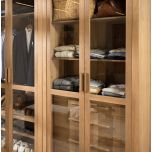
(63, 120)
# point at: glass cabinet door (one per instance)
(23, 43)
(107, 128)
(65, 124)
(105, 104)
(108, 49)
(66, 76)
(66, 47)
(23, 74)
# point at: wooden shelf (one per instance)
(99, 60)
(100, 148)
(73, 141)
(3, 85)
(64, 93)
(20, 133)
(21, 14)
(66, 22)
(72, 119)
(19, 117)
(107, 99)
(23, 88)
(73, 59)
(121, 18)
(100, 125)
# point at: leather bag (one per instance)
(108, 8)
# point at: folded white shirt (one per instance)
(115, 89)
(67, 48)
(64, 54)
(118, 50)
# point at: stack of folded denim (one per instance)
(114, 90)
(72, 84)
(98, 54)
(66, 51)
(96, 86)
(95, 54)
(117, 54)
(67, 83)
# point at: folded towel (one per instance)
(112, 94)
(68, 84)
(118, 50)
(64, 54)
(67, 48)
(95, 53)
(123, 54)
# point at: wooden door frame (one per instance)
(50, 92)
(8, 67)
(37, 89)
(141, 72)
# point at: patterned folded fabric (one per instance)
(95, 53)
(123, 54)
(117, 54)
(67, 48)
(68, 84)
(117, 50)
(96, 86)
(114, 90)
(64, 54)
(112, 94)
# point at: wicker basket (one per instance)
(68, 9)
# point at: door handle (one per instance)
(8, 75)
(82, 82)
(86, 83)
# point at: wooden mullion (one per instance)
(8, 64)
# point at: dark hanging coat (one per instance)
(23, 60)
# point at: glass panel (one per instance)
(23, 120)
(65, 45)
(107, 126)
(65, 124)
(3, 55)
(23, 42)
(107, 52)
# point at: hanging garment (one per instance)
(23, 59)
(3, 54)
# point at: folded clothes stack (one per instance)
(72, 84)
(98, 54)
(20, 146)
(65, 51)
(96, 86)
(114, 90)
(67, 83)
(95, 54)
(117, 54)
